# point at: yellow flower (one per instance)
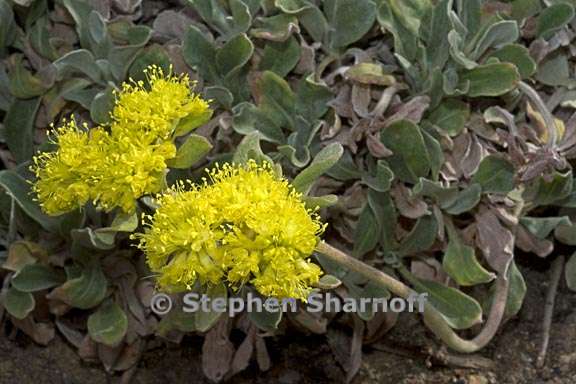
(62, 177)
(130, 171)
(149, 111)
(113, 167)
(92, 166)
(181, 244)
(244, 224)
(278, 280)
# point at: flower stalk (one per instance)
(432, 317)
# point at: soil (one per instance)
(306, 359)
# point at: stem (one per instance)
(12, 230)
(432, 318)
(557, 266)
(546, 115)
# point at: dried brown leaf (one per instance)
(88, 350)
(428, 269)
(361, 98)
(412, 110)
(217, 351)
(73, 336)
(170, 24)
(41, 333)
(379, 325)
(527, 242)
(495, 241)
(313, 322)
(408, 206)
(130, 355)
(244, 352)
(262, 356)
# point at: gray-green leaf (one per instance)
(36, 277)
(19, 128)
(490, 79)
(366, 233)
(18, 304)
(497, 35)
(495, 175)
(461, 264)
(349, 20)
(324, 160)
(519, 56)
(451, 116)
(19, 189)
(464, 201)
(458, 309)
(108, 324)
(541, 227)
(552, 18)
(206, 319)
(87, 289)
(190, 152)
(411, 159)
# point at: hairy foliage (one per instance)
(437, 137)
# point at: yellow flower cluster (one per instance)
(243, 225)
(115, 165)
(61, 184)
(150, 112)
